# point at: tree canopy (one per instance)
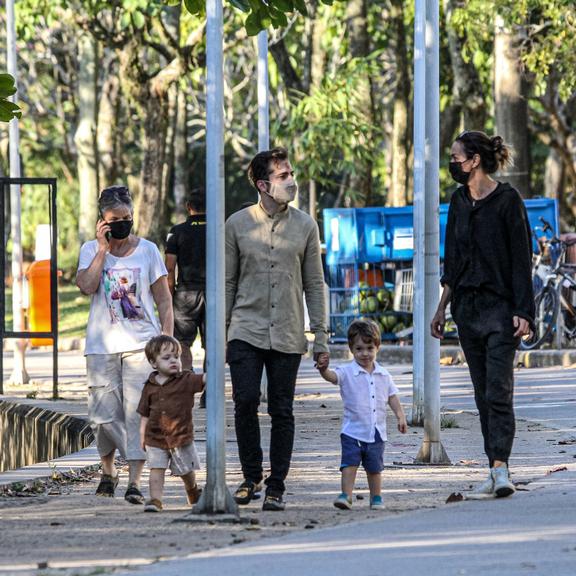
(114, 91)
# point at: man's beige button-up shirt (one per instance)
(270, 262)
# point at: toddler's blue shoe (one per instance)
(376, 503)
(343, 502)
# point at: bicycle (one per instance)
(557, 293)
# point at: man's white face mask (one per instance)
(283, 193)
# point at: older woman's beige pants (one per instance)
(115, 383)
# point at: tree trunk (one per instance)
(150, 206)
(554, 175)
(181, 157)
(108, 129)
(467, 90)
(85, 137)
(357, 22)
(289, 75)
(511, 104)
(168, 166)
(401, 140)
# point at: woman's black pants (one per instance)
(486, 333)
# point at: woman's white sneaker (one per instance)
(502, 485)
(483, 491)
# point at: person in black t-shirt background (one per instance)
(488, 282)
(186, 251)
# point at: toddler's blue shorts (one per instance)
(369, 454)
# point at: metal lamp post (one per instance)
(427, 227)
(216, 499)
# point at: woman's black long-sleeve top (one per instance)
(488, 246)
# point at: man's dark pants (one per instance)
(486, 333)
(246, 365)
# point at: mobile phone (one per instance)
(107, 235)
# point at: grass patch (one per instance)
(73, 309)
(447, 421)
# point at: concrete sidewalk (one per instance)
(532, 533)
(69, 531)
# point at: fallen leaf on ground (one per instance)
(454, 497)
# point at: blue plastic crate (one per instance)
(380, 234)
(546, 208)
(340, 235)
(370, 245)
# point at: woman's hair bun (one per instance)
(497, 143)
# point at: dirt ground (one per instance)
(65, 529)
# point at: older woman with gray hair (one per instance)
(125, 277)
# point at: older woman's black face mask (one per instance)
(120, 229)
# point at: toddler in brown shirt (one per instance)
(166, 428)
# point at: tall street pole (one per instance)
(19, 374)
(263, 135)
(263, 93)
(431, 450)
(417, 416)
(216, 499)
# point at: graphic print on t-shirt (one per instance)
(122, 294)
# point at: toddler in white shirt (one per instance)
(366, 389)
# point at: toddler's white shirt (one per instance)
(365, 398)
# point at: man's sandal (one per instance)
(247, 491)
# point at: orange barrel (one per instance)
(38, 275)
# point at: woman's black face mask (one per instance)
(457, 173)
(120, 229)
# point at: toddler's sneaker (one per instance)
(376, 503)
(343, 502)
(153, 505)
(193, 494)
(502, 485)
(483, 491)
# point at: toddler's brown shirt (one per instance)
(168, 407)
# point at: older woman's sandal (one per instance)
(107, 485)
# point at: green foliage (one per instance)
(548, 28)
(8, 110)
(261, 14)
(331, 131)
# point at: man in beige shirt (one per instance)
(272, 260)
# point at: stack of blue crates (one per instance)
(369, 254)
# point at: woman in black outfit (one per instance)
(487, 280)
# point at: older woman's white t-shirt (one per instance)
(365, 398)
(122, 314)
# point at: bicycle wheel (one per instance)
(546, 305)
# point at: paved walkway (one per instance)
(64, 529)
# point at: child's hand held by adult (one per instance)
(323, 361)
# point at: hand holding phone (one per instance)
(103, 234)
